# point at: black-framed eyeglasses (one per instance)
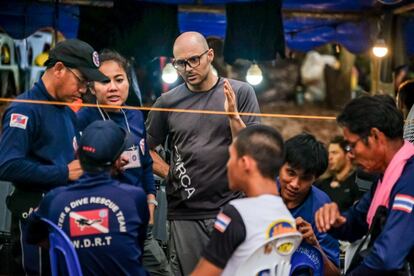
(351, 145)
(193, 62)
(82, 82)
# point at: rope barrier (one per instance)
(213, 112)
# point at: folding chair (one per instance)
(272, 258)
(61, 245)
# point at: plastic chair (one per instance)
(272, 258)
(307, 258)
(61, 245)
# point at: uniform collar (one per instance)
(93, 179)
(41, 91)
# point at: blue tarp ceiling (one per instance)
(21, 18)
(304, 33)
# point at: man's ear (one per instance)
(210, 55)
(377, 134)
(58, 69)
(248, 163)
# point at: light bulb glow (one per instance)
(254, 75)
(169, 74)
(380, 49)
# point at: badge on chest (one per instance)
(132, 155)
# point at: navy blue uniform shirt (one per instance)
(37, 142)
(142, 176)
(315, 200)
(396, 240)
(106, 221)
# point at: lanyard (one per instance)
(101, 111)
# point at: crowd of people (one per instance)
(232, 183)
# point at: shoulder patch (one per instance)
(403, 203)
(279, 227)
(18, 120)
(222, 221)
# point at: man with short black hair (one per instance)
(245, 224)
(38, 141)
(373, 127)
(341, 185)
(305, 160)
(105, 219)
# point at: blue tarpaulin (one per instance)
(22, 18)
(301, 34)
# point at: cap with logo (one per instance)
(307, 257)
(100, 145)
(75, 53)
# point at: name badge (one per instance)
(132, 154)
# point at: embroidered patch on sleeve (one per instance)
(403, 203)
(222, 221)
(18, 120)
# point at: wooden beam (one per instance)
(95, 3)
(201, 8)
(348, 16)
(404, 9)
(323, 15)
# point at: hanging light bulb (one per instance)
(380, 48)
(254, 75)
(169, 74)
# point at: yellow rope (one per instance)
(271, 115)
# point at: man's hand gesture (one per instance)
(328, 216)
(230, 104)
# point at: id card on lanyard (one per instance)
(132, 153)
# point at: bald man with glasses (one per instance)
(38, 141)
(197, 177)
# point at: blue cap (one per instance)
(307, 257)
(101, 143)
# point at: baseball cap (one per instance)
(75, 53)
(307, 257)
(101, 143)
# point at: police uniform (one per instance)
(37, 143)
(307, 209)
(105, 220)
(396, 240)
(243, 226)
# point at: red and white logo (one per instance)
(18, 120)
(89, 222)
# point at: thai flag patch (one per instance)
(222, 221)
(18, 120)
(403, 203)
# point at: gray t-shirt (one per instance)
(197, 182)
